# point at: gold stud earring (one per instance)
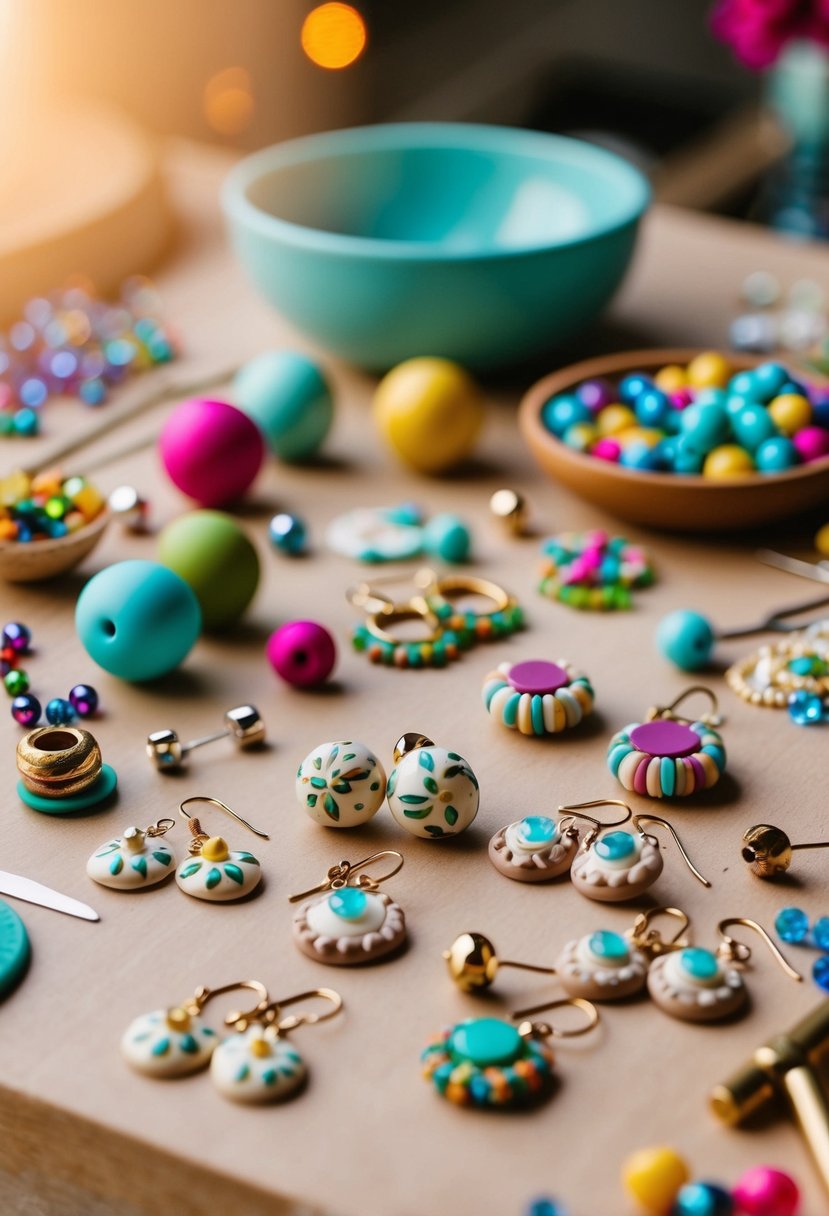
(473, 963)
(768, 850)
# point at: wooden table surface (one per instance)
(81, 1133)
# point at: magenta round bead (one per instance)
(596, 394)
(211, 451)
(764, 1191)
(812, 443)
(606, 449)
(26, 710)
(681, 398)
(302, 653)
(17, 636)
(84, 700)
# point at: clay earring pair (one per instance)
(669, 756)
(539, 849)
(431, 792)
(352, 921)
(255, 1064)
(141, 858)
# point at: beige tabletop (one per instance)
(82, 1132)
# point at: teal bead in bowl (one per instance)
(485, 245)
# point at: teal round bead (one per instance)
(289, 399)
(560, 413)
(820, 933)
(706, 424)
(538, 829)
(686, 639)
(752, 426)
(776, 454)
(137, 619)
(699, 963)
(348, 903)
(742, 385)
(768, 380)
(608, 945)
(702, 1199)
(15, 950)
(791, 925)
(688, 457)
(448, 538)
(485, 1042)
(615, 846)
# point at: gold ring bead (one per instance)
(58, 761)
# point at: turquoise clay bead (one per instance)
(606, 944)
(742, 385)
(614, 846)
(686, 638)
(688, 458)
(753, 426)
(707, 425)
(791, 925)
(349, 903)
(448, 538)
(775, 455)
(14, 948)
(768, 379)
(289, 399)
(137, 619)
(560, 413)
(538, 829)
(486, 1042)
(699, 963)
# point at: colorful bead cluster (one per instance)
(460, 1079)
(660, 1181)
(593, 570)
(665, 758)
(16, 643)
(26, 708)
(47, 506)
(793, 672)
(698, 419)
(537, 697)
(72, 343)
(792, 926)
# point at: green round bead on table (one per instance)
(101, 789)
(214, 556)
(15, 949)
(16, 682)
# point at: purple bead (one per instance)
(26, 710)
(596, 394)
(302, 652)
(84, 700)
(18, 636)
(59, 712)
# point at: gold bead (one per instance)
(410, 742)
(511, 508)
(767, 850)
(178, 1019)
(471, 961)
(58, 761)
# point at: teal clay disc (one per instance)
(15, 950)
(101, 788)
(485, 1042)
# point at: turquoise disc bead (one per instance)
(700, 964)
(538, 829)
(349, 903)
(610, 946)
(14, 948)
(485, 1042)
(615, 846)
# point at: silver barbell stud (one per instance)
(243, 725)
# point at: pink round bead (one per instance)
(812, 443)
(763, 1191)
(302, 652)
(606, 449)
(681, 398)
(211, 451)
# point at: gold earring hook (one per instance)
(598, 824)
(196, 828)
(545, 1029)
(473, 963)
(667, 711)
(738, 952)
(238, 1018)
(160, 827)
(639, 819)
(282, 1025)
(339, 875)
(650, 941)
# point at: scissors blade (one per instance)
(35, 893)
(816, 571)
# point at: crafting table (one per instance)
(80, 1132)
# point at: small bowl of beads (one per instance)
(48, 524)
(686, 440)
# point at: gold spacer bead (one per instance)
(58, 761)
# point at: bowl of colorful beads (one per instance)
(686, 440)
(48, 524)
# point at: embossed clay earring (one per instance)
(537, 849)
(668, 756)
(341, 784)
(257, 1063)
(619, 865)
(135, 860)
(606, 966)
(213, 871)
(492, 1063)
(432, 792)
(699, 985)
(473, 964)
(353, 921)
(537, 697)
(768, 850)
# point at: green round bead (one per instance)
(213, 555)
(16, 682)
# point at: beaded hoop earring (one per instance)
(537, 697)
(441, 646)
(771, 674)
(667, 756)
(505, 618)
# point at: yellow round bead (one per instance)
(215, 849)
(653, 1176)
(671, 378)
(614, 418)
(791, 412)
(638, 434)
(726, 462)
(430, 412)
(822, 541)
(581, 436)
(709, 370)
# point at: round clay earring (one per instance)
(135, 860)
(607, 966)
(537, 848)
(667, 756)
(341, 785)
(212, 871)
(432, 792)
(537, 697)
(353, 921)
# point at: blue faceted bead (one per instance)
(792, 925)
(806, 708)
(615, 846)
(287, 533)
(820, 972)
(538, 829)
(59, 711)
(348, 903)
(820, 933)
(702, 1199)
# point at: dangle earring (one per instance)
(668, 756)
(699, 985)
(213, 871)
(354, 921)
(537, 849)
(490, 1062)
(134, 861)
(606, 966)
(618, 865)
(768, 850)
(473, 963)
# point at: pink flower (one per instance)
(757, 30)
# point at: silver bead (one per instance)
(242, 724)
(130, 508)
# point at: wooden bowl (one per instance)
(41, 559)
(664, 500)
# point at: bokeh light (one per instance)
(228, 101)
(333, 36)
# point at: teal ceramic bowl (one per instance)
(488, 245)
